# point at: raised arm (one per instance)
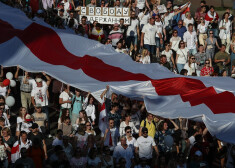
(48, 78)
(17, 72)
(175, 125)
(104, 92)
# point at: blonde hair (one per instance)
(187, 13)
(7, 130)
(143, 53)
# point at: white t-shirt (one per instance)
(123, 126)
(149, 34)
(19, 120)
(187, 22)
(145, 146)
(183, 56)
(191, 69)
(145, 60)
(40, 95)
(168, 18)
(132, 29)
(175, 43)
(168, 55)
(143, 18)
(140, 4)
(65, 97)
(3, 91)
(24, 127)
(34, 84)
(202, 28)
(120, 152)
(190, 39)
(159, 28)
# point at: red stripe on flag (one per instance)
(15, 149)
(102, 107)
(45, 44)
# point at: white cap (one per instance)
(175, 7)
(38, 80)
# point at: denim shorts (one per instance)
(158, 44)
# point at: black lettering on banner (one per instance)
(127, 20)
(97, 11)
(91, 19)
(105, 11)
(91, 11)
(125, 11)
(110, 20)
(100, 19)
(83, 10)
(118, 11)
(111, 11)
(105, 19)
(97, 19)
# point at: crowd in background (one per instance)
(55, 125)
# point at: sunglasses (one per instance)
(193, 58)
(88, 125)
(175, 32)
(181, 43)
(211, 33)
(145, 132)
(83, 20)
(128, 132)
(2, 108)
(207, 63)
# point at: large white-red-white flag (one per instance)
(90, 66)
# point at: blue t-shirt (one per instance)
(181, 31)
(77, 105)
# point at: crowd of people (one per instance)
(203, 45)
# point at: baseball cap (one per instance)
(34, 125)
(38, 80)
(27, 117)
(175, 7)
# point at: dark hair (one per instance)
(163, 56)
(121, 19)
(180, 42)
(190, 24)
(59, 131)
(161, 125)
(63, 115)
(201, 45)
(23, 132)
(194, 74)
(98, 25)
(84, 17)
(212, 7)
(67, 118)
(183, 71)
(204, 2)
(127, 115)
(2, 119)
(111, 119)
(127, 128)
(114, 105)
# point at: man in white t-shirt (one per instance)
(39, 95)
(144, 146)
(65, 99)
(133, 31)
(123, 150)
(148, 36)
(190, 39)
(159, 35)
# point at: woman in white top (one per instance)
(181, 56)
(188, 19)
(90, 108)
(225, 27)
(20, 118)
(174, 42)
(169, 54)
(145, 58)
(125, 123)
(202, 31)
(191, 66)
